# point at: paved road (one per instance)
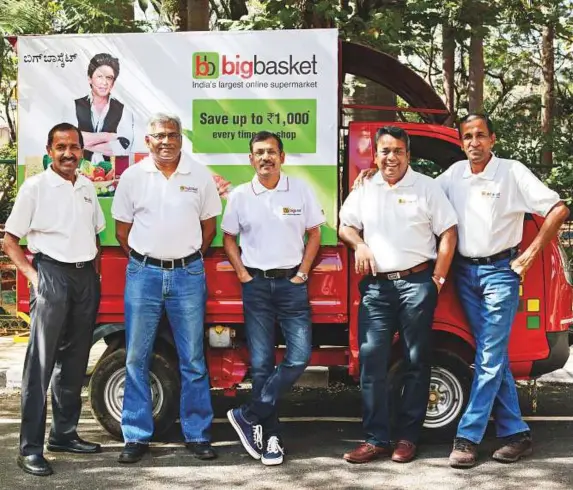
(314, 459)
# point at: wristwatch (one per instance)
(441, 280)
(302, 275)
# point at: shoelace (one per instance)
(464, 446)
(258, 436)
(273, 445)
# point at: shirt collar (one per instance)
(56, 180)
(488, 172)
(406, 181)
(184, 166)
(258, 188)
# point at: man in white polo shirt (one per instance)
(272, 214)
(165, 209)
(59, 213)
(391, 222)
(491, 196)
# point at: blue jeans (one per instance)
(266, 302)
(490, 295)
(407, 306)
(181, 293)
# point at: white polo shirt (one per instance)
(58, 218)
(272, 223)
(166, 213)
(399, 222)
(491, 205)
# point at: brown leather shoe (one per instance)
(404, 451)
(367, 452)
(515, 448)
(464, 453)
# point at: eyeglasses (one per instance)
(162, 136)
(261, 153)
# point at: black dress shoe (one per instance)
(35, 464)
(133, 452)
(76, 445)
(201, 450)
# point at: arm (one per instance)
(208, 232)
(92, 139)
(103, 148)
(310, 251)
(12, 249)
(446, 250)
(553, 221)
(97, 260)
(122, 230)
(234, 255)
(363, 257)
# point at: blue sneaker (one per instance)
(251, 435)
(273, 453)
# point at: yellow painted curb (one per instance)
(23, 316)
(22, 338)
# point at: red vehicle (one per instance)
(539, 340)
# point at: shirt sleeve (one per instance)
(19, 222)
(122, 207)
(211, 205)
(442, 213)
(537, 197)
(230, 223)
(313, 213)
(124, 134)
(443, 180)
(350, 213)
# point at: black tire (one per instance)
(106, 392)
(450, 385)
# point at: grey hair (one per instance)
(163, 118)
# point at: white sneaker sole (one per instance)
(254, 454)
(271, 462)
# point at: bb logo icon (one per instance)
(205, 65)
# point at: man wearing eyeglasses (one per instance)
(272, 214)
(165, 209)
(391, 222)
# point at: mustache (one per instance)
(68, 159)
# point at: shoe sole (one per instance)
(35, 473)
(356, 461)
(254, 454)
(403, 460)
(129, 461)
(272, 462)
(61, 449)
(525, 453)
(459, 465)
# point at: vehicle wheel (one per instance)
(107, 385)
(450, 383)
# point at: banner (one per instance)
(225, 86)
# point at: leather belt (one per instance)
(166, 263)
(273, 273)
(392, 276)
(71, 265)
(505, 254)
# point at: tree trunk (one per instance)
(476, 71)
(197, 15)
(238, 8)
(448, 69)
(548, 93)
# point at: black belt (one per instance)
(71, 265)
(166, 263)
(392, 276)
(273, 273)
(505, 254)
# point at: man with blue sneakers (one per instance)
(272, 214)
(491, 196)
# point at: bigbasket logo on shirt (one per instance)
(492, 195)
(292, 211)
(185, 188)
(407, 200)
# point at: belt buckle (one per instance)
(166, 261)
(80, 265)
(267, 277)
(393, 276)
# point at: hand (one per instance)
(364, 260)
(245, 278)
(365, 174)
(297, 280)
(223, 186)
(521, 264)
(34, 279)
(437, 283)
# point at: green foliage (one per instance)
(7, 180)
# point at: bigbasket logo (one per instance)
(212, 65)
(206, 65)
